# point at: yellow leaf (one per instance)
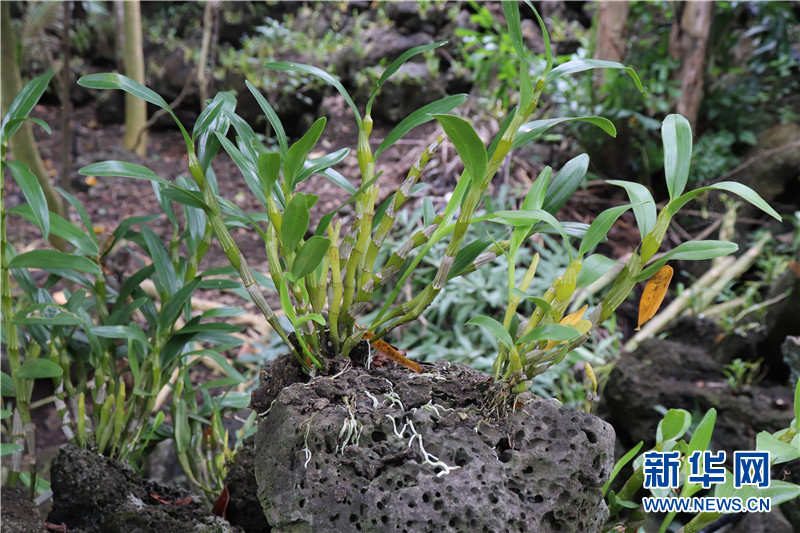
(653, 294)
(576, 321)
(91, 181)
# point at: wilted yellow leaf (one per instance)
(91, 181)
(576, 321)
(653, 294)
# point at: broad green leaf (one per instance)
(340, 181)
(494, 327)
(223, 363)
(644, 208)
(53, 260)
(294, 222)
(129, 222)
(313, 317)
(511, 12)
(701, 437)
(219, 284)
(61, 227)
(112, 80)
(84, 216)
(580, 65)
(46, 314)
(550, 332)
(321, 74)
(223, 312)
(120, 169)
(420, 116)
(779, 451)
(467, 255)
(545, 37)
(395, 65)
(594, 267)
(318, 164)
(183, 434)
(689, 251)
(39, 369)
(532, 130)
(169, 312)
(7, 448)
(676, 135)
(132, 332)
(731, 186)
(286, 303)
(161, 260)
(186, 197)
(298, 152)
(468, 144)
(23, 103)
(165, 203)
(34, 195)
(269, 170)
(272, 117)
(674, 424)
(247, 168)
(526, 218)
(600, 227)
(6, 385)
(211, 114)
(428, 211)
(310, 256)
(565, 183)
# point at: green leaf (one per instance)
(318, 164)
(395, 65)
(221, 361)
(121, 169)
(131, 332)
(594, 267)
(565, 183)
(112, 80)
(6, 385)
(689, 251)
(209, 118)
(272, 117)
(580, 65)
(161, 260)
(297, 153)
(731, 186)
(644, 207)
(183, 434)
(247, 168)
(223, 312)
(550, 332)
(321, 74)
(53, 260)
(467, 255)
(676, 135)
(420, 116)
(619, 465)
(468, 144)
(339, 180)
(23, 103)
(511, 12)
(186, 197)
(269, 170)
(779, 451)
(39, 369)
(494, 327)
(7, 448)
(701, 437)
(525, 218)
(294, 221)
(84, 216)
(57, 316)
(674, 424)
(60, 227)
(532, 130)
(169, 312)
(310, 256)
(34, 195)
(600, 226)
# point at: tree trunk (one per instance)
(66, 102)
(135, 108)
(611, 35)
(688, 43)
(23, 146)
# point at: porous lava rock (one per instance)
(389, 450)
(94, 494)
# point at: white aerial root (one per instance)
(306, 449)
(351, 429)
(375, 402)
(427, 457)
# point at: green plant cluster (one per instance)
(110, 349)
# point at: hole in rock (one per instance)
(378, 436)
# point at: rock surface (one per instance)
(94, 494)
(19, 514)
(388, 450)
